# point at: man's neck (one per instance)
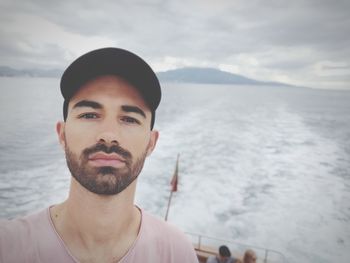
(95, 227)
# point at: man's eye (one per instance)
(88, 116)
(130, 120)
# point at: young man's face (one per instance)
(107, 135)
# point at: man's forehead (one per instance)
(112, 87)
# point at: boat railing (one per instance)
(209, 245)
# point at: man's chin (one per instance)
(105, 181)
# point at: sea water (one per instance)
(264, 166)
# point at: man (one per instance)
(223, 257)
(110, 99)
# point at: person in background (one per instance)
(249, 256)
(223, 257)
(110, 99)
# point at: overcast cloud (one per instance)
(302, 42)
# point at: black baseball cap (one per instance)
(112, 61)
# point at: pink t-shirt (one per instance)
(34, 239)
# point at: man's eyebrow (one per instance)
(88, 103)
(128, 108)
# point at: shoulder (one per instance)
(160, 241)
(160, 228)
(24, 225)
(165, 232)
(19, 233)
(21, 226)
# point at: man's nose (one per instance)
(109, 133)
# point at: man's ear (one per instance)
(152, 142)
(60, 133)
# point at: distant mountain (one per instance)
(187, 75)
(10, 72)
(208, 75)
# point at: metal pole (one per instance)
(167, 210)
(173, 183)
(266, 253)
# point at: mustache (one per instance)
(101, 147)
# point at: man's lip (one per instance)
(103, 159)
(105, 156)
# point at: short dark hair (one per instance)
(224, 251)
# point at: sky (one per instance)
(300, 42)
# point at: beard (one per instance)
(104, 180)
